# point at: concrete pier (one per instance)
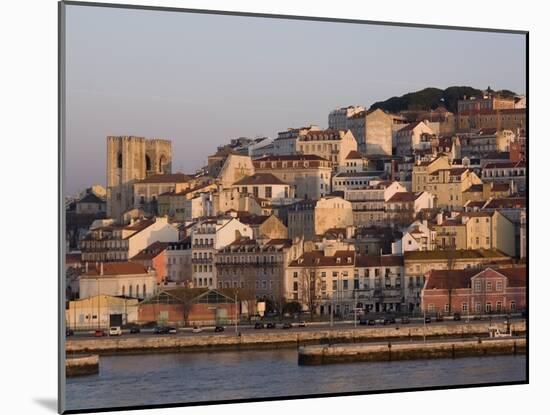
(319, 355)
(82, 365)
(272, 339)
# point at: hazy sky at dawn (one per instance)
(200, 80)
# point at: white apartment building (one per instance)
(209, 236)
(338, 118)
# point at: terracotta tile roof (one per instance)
(474, 188)
(74, 258)
(166, 178)
(379, 261)
(505, 165)
(259, 179)
(458, 254)
(487, 131)
(354, 155)
(115, 268)
(317, 258)
(152, 251)
(455, 279)
(402, 197)
(506, 203)
(302, 157)
(249, 219)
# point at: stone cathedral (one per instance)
(130, 159)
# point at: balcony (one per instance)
(201, 260)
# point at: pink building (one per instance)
(154, 256)
(475, 291)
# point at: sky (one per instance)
(201, 80)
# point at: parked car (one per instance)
(427, 319)
(389, 320)
(405, 320)
(160, 330)
(380, 320)
(287, 326)
(69, 332)
(271, 325)
(371, 322)
(115, 331)
(99, 333)
(259, 325)
(196, 329)
(302, 324)
(456, 317)
(218, 329)
(135, 330)
(172, 330)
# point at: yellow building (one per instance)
(172, 204)
(94, 312)
(489, 230)
(423, 169)
(448, 185)
(450, 233)
(332, 145)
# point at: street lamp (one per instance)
(236, 315)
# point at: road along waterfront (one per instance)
(199, 377)
(265, 339)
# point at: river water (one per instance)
(147, 379)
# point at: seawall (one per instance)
(278, 338)
(319, 355)
(81, 365)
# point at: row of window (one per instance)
(488, 286)
(131, 291)
(488, 307)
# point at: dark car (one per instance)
(99, 333)
(259, 325)
(371, 322)
(405, 320)
(287, 326)
(427, 319)
(160, 330)
(457, 317)
(135, 330)
(69, 332)
(389, 320)
(219, 329)
(271, 325)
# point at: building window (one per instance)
(431, 308)
(447, 308)
(268, 192)
(477, 286)
(513, 305)
(499, 285)
(499, 306)
(489, 286)
(464, 307)
(488, 307)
